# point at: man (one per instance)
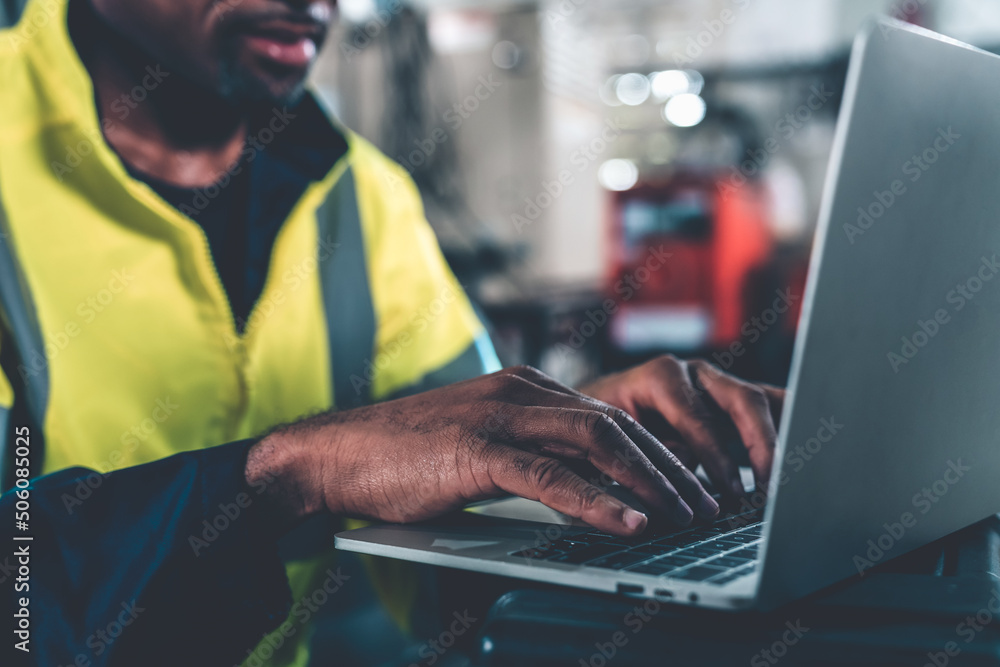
(193, 254)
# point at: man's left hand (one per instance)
(688, 404)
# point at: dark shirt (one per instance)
(123, 567)
(124, 571)
(242, 213)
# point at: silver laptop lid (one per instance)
(892, 438)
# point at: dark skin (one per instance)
(516, 431)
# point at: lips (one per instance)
(284, 43)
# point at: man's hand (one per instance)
(516, 431)
(684, 403)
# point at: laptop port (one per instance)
(630, 589)
(663, 593)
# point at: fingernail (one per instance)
(707, 506)
(683, 513)
(633, 520)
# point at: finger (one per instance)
(596, 437)
(676, 398)
(540, 379)
(532, 387)
(552, 483)
(680, 477)
(671, 465)
(749, 407)
(776, 401)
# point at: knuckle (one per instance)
(619, 415)
(588, 496)
(668, 364)
(704, 371)
(543, 473)
(669, 360)
(753, 397)
(507, 383)
(600, 424)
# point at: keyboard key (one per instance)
(677, 561)
(701, 551)
(588, 552)
(662, 565)
(742, 538)
(701, 534)
(653, 567)
(698, 573)
(745, 554)
(731, 576)
(567, 543)
(592, 538)
(619, 561)
(729, 542)
(652, 549)
(727, 561)
(681, 540)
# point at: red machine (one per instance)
(682, 253)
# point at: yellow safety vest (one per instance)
(117, 339)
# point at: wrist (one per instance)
(280, 469)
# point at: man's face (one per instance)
(247, 50)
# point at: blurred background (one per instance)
(614, 179)
(609, 179)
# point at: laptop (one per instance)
(890, 437)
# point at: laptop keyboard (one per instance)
(717, 553)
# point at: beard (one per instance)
(239, 85)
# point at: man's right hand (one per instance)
(510, 432)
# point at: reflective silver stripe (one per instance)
(18, 312)
(5, 437)
(347, 299)
(477, 359)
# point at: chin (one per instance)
(241, 84)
